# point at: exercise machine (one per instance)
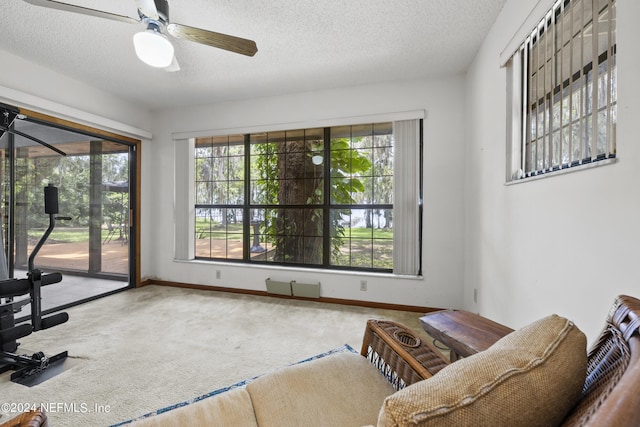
(26, 366)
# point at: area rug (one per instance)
(345, 348)
(148, 348)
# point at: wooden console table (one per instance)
(463, 332)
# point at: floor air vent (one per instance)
(305, 290)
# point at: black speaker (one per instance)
(50, 199)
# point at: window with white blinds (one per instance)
(564, 94)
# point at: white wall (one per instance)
(35, 87)
(443, 100)
(567, 244)
(38, 88)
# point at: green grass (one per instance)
(366, 233)
(203, 227)
(356, 250)
(62, 235)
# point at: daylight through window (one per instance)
(318, 197)
(566, 72)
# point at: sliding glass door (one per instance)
(92, 245)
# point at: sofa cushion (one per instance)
(343, 389)
(531, 377)
(231, 408)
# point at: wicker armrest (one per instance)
(36, 418)
(400, 355)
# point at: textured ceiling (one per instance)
(303, 45)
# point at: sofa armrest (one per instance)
(399, 354)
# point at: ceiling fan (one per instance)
(151, 45)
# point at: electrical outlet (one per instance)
(475, 295)
(363, 285)
(218, 274)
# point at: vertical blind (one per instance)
(184, 199)
(568, 74)
(406, 197)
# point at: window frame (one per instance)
(248, 206)
(185, 198)
(519, 123)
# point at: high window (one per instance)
(564, 94)
(319, 197)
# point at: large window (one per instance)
(564, 92)
(318, 197)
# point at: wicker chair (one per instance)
(35, 418)
(611, 394)
(399, 354)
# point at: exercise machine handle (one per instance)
(50, 279)
(54, 320)
(12, 334)
(14, 287)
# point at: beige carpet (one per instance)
(144, 349)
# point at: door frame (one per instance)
(135, 159)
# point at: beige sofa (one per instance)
(341, 389)
(539, 375)
(531, 377)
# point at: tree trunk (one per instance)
(299, 236)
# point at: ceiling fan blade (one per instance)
(173, 67)
(82, 10)
(148, 9)
(211, 38)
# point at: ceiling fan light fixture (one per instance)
(153, 48)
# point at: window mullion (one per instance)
(595, 70)
(571, 85)
(610, 60)
(326, 200)
(525, 102)
(246, 206)
(553, 84)
(559, 49)
(539, 105)
(582, 77)
(548, 95)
